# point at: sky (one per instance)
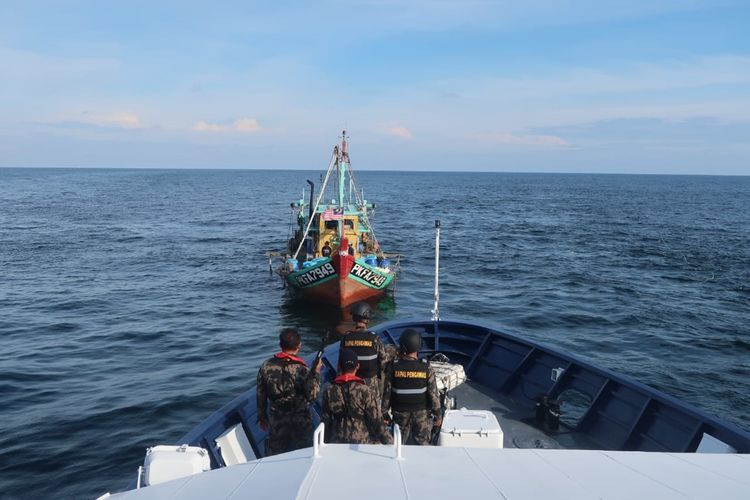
(658, 86)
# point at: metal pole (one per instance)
(436, 307)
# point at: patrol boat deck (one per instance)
(374, 472)
(520, 430)
(604, 417)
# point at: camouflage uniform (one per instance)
(391, 355)
(416, 417)
(372, 357)
(352, 414)
(291, 387)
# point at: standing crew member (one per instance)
(411, 392)
(285, 380)
(370, 351)
(351, 412)
(326, 250)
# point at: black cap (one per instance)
(347, 359)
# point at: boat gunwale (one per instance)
(380, 329)
(202, 434)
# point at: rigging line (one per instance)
(315, 208)
(291, 228)
(360, 202)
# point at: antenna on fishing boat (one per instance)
(344, 149)
(436, 307)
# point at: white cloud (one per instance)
(644, 77)
(358, 19)
(545, 141)
(399, 131)
(201, 126)
(244, 125)
(249, 125)
(116, 119)
(124, 119)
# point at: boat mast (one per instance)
(343, 164)
(436, 307)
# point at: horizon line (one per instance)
(225, 169)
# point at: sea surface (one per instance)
(133, 303)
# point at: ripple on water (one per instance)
(140, 301)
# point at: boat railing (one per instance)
(397, 441)
(521, 369)
(318, 441)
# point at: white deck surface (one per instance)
(372, 472)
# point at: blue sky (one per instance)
(542, 86)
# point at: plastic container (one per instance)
(165, 463)
(470, 429)
(293, 264)
(448, 376)
(385, 263)
(371, 260)
(307, 264)
(234, 446)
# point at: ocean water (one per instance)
(133, 303)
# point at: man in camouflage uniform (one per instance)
(285, 380)
(350, 411)
(370, 351)
(411, 392)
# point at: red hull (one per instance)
(342, 290)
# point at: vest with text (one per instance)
(409, 385)
(363, 343)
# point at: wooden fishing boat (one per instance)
(333, 255)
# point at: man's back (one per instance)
(286, 384)
(351, 412)
(290, 386)
(369, 349)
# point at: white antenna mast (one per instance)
(436, 307)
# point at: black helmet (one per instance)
(411, 341)
(361, 311)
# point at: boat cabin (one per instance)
(327, 231)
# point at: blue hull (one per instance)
(614, 412)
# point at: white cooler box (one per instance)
(165, 463)
(448, 376)
(470, 429)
